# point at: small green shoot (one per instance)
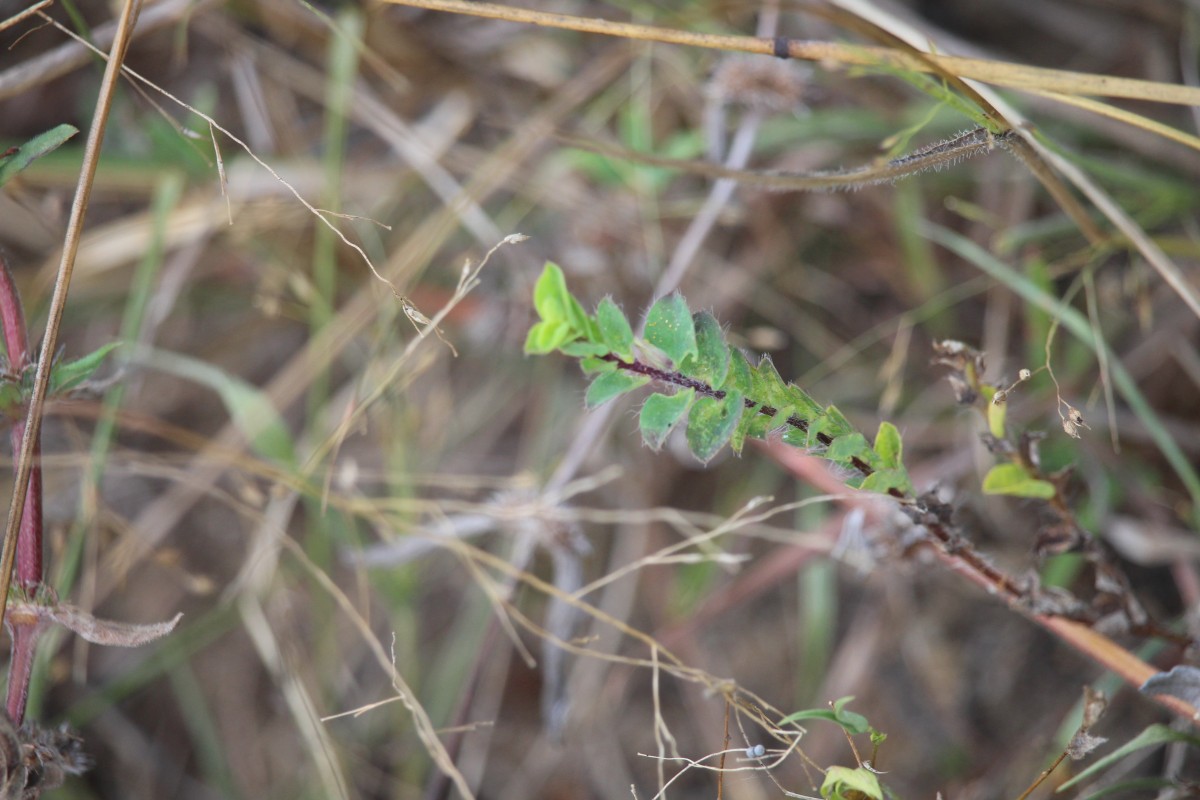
(723, 398)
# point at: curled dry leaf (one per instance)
(1083, 742)
(1182, 681)
(97, 631)
(107, 632)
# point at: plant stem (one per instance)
(29, 537)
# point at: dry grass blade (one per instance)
(1013, 76)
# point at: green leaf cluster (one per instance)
(65, 376)
(709, 385)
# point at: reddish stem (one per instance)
(29, 539)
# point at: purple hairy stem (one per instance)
(28, 577)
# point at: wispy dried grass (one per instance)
(650, 598)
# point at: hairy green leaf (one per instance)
(614, 329)
(1014, 479)
(711, 362)
(850, 446)
(34, 149)
(802, 403)
(669, 328)
(752, 425)
(711, 423)
(769, 388)
(886, 480)
(830, 423)
(69, 374)
(608, 385)
(661, 413)
(740, 377)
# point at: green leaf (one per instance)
(850, 446)
(1014, 479)
(614, 329)
(1152, 736)
(769, 388)
(886, 479)
(583, 325)
(996, 412)
(581, 348)
(829, 422)
(853, 722)
(547, 336)
(839, 780)
(669, 327)
(711, 362)
(594, 365)
(661, 413)
(888, 445)
(608, 385)
(740, 377)
(34, 149)
(803, 406)
(69, 374)
(752, 425)
(711, 423)
(550, 295)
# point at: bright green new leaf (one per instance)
(996, 414)
(888, 445)
(669, 328)
(614, 329)
(550, 295)
(661, 413)
(711, 362)
(608, 385)
(69, 374)
(583, 325)
(711, 423)
(34, 149)
(582, 348)
(1014, 479)
(839, 780)
(547, 336)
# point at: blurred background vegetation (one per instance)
(326, 495)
